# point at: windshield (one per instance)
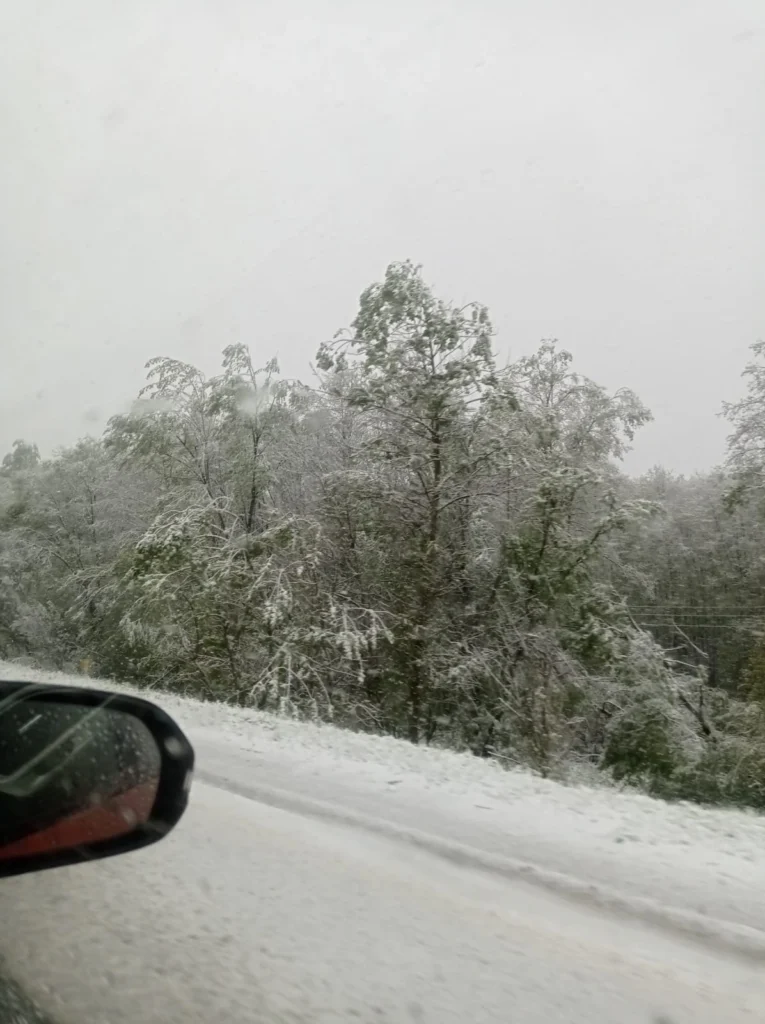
(383, 393)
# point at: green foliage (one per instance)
(422, 545)
(23, 456)
(731, 773)
(642, 743)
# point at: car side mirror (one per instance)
(85, 774)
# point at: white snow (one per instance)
(254, 915)
(697, 869)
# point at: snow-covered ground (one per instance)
(625, 848)
(565, 876)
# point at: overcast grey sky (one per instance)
(178, 174)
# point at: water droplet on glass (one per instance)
(129, 816)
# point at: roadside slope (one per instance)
(694, 868)
(253, 914)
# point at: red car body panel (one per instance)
(117, 816)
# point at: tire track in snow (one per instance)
(738, 941)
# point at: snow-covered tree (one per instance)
(421, 544)
(415, 366)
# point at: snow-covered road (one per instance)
(322, 876)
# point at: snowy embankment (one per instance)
(683, 867)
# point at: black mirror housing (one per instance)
(85, 774)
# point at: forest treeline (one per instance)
(422, 543)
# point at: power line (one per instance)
(734, 609)
(702, 613)
(687, 625)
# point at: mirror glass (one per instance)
(71, 775)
